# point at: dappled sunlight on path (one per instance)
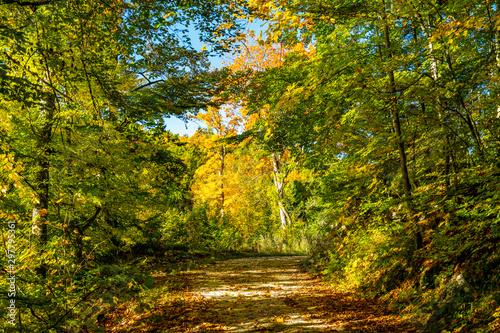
(264, 294)
(271, 294)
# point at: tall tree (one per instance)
(254, 59)
(85, 89)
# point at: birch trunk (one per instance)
(279, 183)
(442, 117)
(222, 154)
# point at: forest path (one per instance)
(272, 294)
(258, 294)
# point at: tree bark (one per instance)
(441, 115)
(222, 154)
(397, 126)
(43, 133)
(279, 184)
(395, 114)
(42, 176)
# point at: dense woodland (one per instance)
(363, 133)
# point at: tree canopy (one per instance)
(363, 133)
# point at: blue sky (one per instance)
(177, 126)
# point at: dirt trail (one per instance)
(272, 294)
(265, 294)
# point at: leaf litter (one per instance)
(258, 294)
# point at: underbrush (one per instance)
(449, 281)
(83, 284)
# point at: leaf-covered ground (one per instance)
(266, 294)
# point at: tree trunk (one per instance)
(397, 126)
(496, 47)
(279, 184)
(497, 58)
(441, 115)
(222, 154)
(466, 117)
(395, 115)
(42, 176)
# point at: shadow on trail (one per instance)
(269, 294)
(272, 295)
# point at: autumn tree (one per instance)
(253, 59)
(396, 113)
(221, 122)
(85, 91)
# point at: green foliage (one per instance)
(375, 148)
(87, 167)
(396, 112)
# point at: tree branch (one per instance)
(91, 219)
(26, 3)
(147, 84)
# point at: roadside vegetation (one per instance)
(365, 134)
